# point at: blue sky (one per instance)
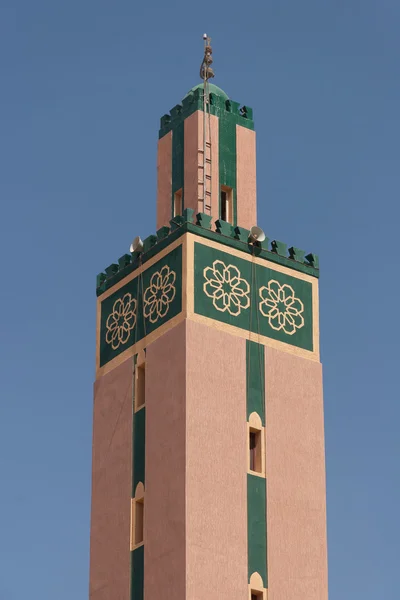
(83, 87)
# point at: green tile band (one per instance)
(133, 311)
(256, 486)
(227, 157)
(256, 298)
(138, 474)
(178, 159)
(139, 419)
(257, 526)
(255, 379)
(137, 573)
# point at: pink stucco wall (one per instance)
(111, 485)
(246, 177)
(216, 484)
(164, 526)
(164, 180)
(295, 466)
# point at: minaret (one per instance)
(208, 438)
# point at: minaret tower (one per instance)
(208, 474)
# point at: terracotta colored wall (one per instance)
(295, 466)
(192, 174)
(164, 528)
(164, 180)
(216, 484)
(111, 485)
(246, 177)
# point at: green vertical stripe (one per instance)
(137, 573)
(227, 157)
(138, 474)
(255, 379)
(257, 526)
(177, 162)
(138, 446)
(256, 486)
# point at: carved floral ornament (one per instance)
(281, 307)
(231, 293)
(159, 295)
(121, 321)
(157, 298)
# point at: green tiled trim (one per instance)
(139, 419)
(137, 573)
(133, 424)
(255, 379)
(105, 282)
(242, 298)
(257, 527)
(138, 474)
(256, 486)
(126, 308)
(178, 141)
(194, 101)
(227, 156)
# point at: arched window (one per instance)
(137, 517)
(256, 445)
(140, 381)
(257, 591)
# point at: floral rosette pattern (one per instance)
(281, 307)
(121, 321)
(228, 290)
(159, 295)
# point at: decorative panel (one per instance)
(253, 297)
(141, 306)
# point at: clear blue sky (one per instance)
(83, 84)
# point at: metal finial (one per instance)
(206, 71)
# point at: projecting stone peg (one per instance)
(203, 220)
(279, 248)
(112, 270)
(224, 228)
(149, 242)
(162, 232)
(165, 121)
(176, 222)
(242, 234)
(246, 112)
(313, 260)
(100, 279)
(124, 261)
(296, 254)
(188, 214)
(176, 111)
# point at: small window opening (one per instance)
(178, 203)
(256, 595)
(140, 386)
(139, 514)
(255, 450)
(226, 204)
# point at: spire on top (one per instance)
(206, 71)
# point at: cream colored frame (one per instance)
(243, 333)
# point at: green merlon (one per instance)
(219, 105)
(224, 233)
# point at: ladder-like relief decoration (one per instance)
(228, 290)
(159, 295)
(121, 321)
(281, 307)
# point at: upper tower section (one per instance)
(207, 156)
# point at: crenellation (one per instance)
(217, 106)
(219, 230)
